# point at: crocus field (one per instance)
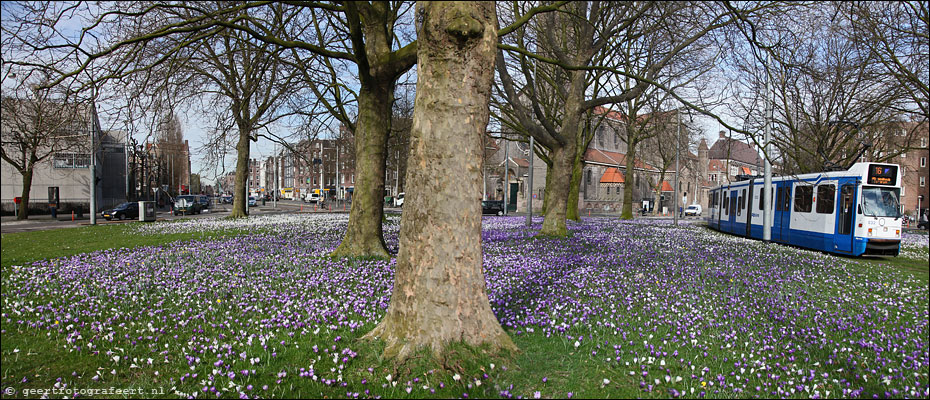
(618, 309)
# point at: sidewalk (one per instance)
(10, 219)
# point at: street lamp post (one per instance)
(677, 170)
(529, 195)
(506, 176)
(767, 185)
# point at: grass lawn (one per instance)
(256, 308)
(24, 247)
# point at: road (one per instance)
(9, 224)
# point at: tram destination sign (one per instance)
(883, 175)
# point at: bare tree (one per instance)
(668, 144)
(40, 122)
(600, 53)
(898, 35)
(833, 101)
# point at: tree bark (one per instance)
(557, 194)
(24, 200)
(547, 191)
(364, 234)
(241, 195)
(628, 182)
(575, 186)
(439, 294)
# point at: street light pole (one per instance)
(506, 169)
(274, 177)
(93, 169)
(767, 185)
(529, 197)
(677, 170)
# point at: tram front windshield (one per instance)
(880, 202)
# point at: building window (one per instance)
(71, 160)
(923, 142)
(923, 181)
(923, 162)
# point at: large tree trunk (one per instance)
(241, 195)
(439, 292)
(628, 182)
(547, 190)
(575, 186)
(557, 190)
(364, 235)
(24, 200)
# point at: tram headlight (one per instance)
(870, 231)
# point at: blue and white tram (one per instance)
(852, 212)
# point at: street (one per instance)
(9, 224)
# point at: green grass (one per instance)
(31, 359)
(918, 268)
(24, 247)
(565, 368)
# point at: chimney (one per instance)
(723, 134)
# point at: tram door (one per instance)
(843, 239)
(781, 222)
(734, 198)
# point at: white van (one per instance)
(312, 198)
(399, 201)
(694, 209)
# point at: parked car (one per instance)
(227, 199)
(187, 204)
(693, 210)
(495, 207)
(399, 201)
(923, 223)
(251, 201)
(312, 198)
(205, 201)
(122, 211)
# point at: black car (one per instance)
(123, 211)
(205, 201)
(495, 207)
(187, 204)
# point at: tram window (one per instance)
(803, 198)
(761, 198)
(741, 205)
(726, 204)
(825, 199)
(784, 199)
(780, 193)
